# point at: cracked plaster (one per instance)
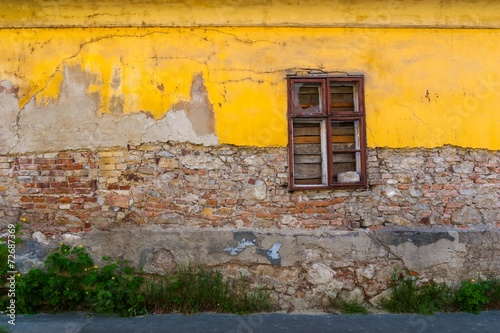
(74, 123)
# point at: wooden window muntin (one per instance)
(330, 118)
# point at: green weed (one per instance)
(406, 297)
(71, 282)
(191, 290)
(471, 296)
(348, 307)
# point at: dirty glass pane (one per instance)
(307, 97)
(308, 152)
(342, 98)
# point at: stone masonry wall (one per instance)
(191, 185)
(434, 212)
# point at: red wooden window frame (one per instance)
(327, 116)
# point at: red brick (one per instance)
(29, 167)
(336, 201)
(65, 200)
(159, 206)
(315, 210)
(266, 215)
(79, 200)
(80, 185)
(25, 160)
(51, 199)
(73, 179)
(231, 201)
(64, 160)
(38, 199)
(45, 161)
(116, 200)
(58, 184)
(47, 167)
(318, 203)
(63, 190)
(74, 167)
(26, 199)
(57, 173)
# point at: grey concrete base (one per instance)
(303, 269)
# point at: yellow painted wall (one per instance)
(182, 13)
(424, 87)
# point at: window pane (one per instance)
(345, 135)
(346, 167)
(308, 150)
(307, 98)
(346, 156)
(342, 97)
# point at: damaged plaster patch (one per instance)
(75, 123)
(416, 238)
(9, 115)
(272, 254)
(426, 251)
(244, 239)
(200, 111)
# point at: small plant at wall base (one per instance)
(471, 296)
(191, 290)
(348, 307)
(71, 281)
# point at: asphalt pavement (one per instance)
(488, 321)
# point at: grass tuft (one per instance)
(191, 290)
(348, 307)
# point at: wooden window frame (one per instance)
(326, 115)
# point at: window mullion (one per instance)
(328, 152)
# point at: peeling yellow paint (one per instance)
(424, 87)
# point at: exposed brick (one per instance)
(224, 195)
(117, 200)
(65, 200)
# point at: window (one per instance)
(326, 126)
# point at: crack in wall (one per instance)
(374, 237)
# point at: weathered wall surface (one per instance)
(301, 269)
(409, 13)
(195, 185)
(424, 87)
(156, 132)
(434, 212)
